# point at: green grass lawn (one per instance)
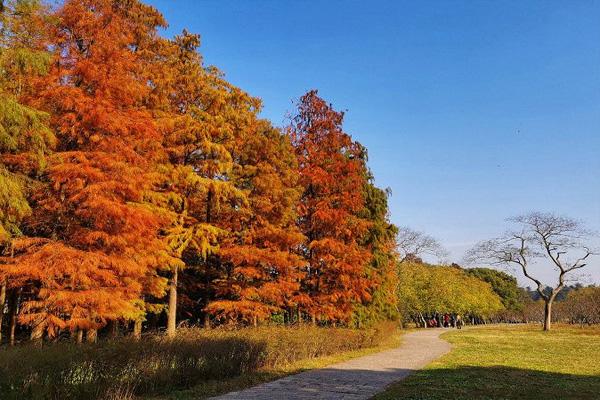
(510, 362)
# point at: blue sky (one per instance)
(472, 111)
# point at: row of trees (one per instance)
(487, 295)
(426, 290)
(577, 304)
(581, 306)
(136, 182)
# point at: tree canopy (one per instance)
(138, 186)
(428, 289)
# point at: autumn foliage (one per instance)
(139, 188)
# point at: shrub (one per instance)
(119, 369)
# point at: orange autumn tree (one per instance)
(93, 242)
(196, 116)
(204, 119)
(25, 139)
(264, 272)
(332, 174)
(231, 113)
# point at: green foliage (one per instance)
(24, 136)
(23, 128)
(13, 205)
(426, 289)
(503, 284)
(380, 238)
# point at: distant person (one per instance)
(459, 322)
(446, 320)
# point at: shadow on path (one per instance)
(356, 379)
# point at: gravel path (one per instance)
(356, 379)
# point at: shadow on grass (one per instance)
(213, 359)
(497, 382)
(119, 369)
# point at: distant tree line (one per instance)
(427, 291)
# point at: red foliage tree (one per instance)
(332, 174)
(264, 271)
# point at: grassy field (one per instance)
(510, 362)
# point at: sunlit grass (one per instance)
(510, 362)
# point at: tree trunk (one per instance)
(12, 312)
(79, 336)
(113, 329)
(2, 302)
(423, 320)
(91, 335)
(137, 329)
(172, 311)
(37, 332)
(548, 315)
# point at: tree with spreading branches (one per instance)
(413, 245)
(557, 242)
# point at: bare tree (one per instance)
(414, 245)
(559, 241)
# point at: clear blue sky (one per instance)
(472, 111)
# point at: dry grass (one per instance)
(120, 369)
(389, 337)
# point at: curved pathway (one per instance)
(356, 379)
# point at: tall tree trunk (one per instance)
(113, 328)
(548, 315)
(209, 200)
(91, 335)
(422, 320)
(2, 302)
(137, 329)
(12, 312)
(79, 336)
(172, 311)
(37, 332)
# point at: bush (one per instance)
(122, 368)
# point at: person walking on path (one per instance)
(459, 322)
